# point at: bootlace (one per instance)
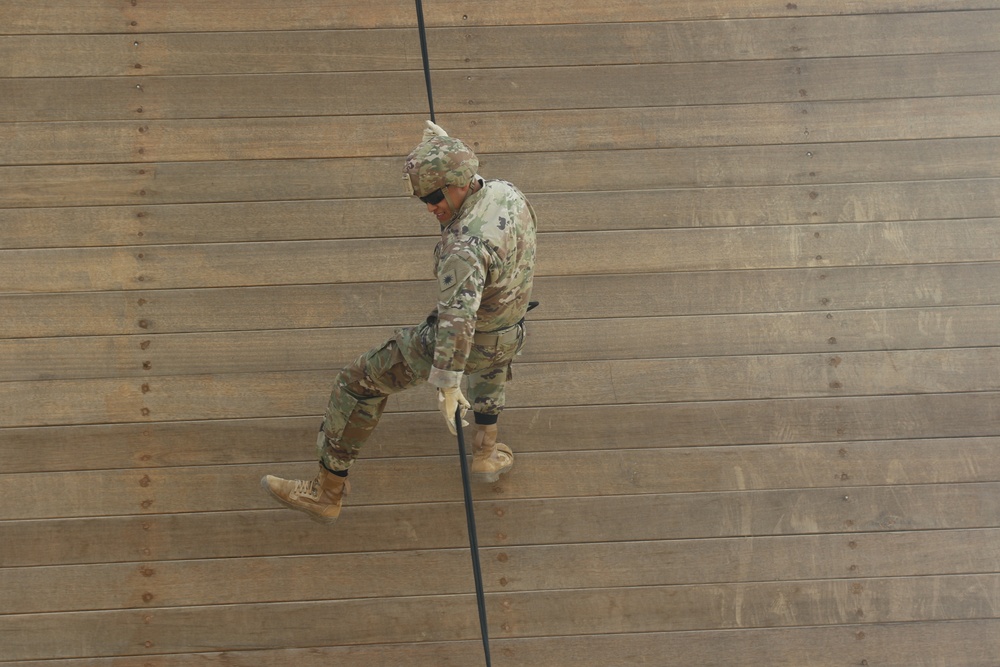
(306, 487)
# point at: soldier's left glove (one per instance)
(448, 401)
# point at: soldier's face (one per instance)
(454, 196)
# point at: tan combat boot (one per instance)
(490, 458)
(319, 498)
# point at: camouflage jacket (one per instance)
(485, 262)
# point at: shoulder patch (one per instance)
(454, 272)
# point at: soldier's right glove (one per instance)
(449, 398)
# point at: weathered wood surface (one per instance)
(270, 180)
(562, 212)
(182, 583)
(95, 16)
(568, 44)
(659, 127)
(549, 340)
(299, 393)
(504, 523)
(676, 608)
(590, 428)
(826, 290)
(526, 89)
(605, 473)
(572, 44)
(891, 644)
(562, 254)
(756, 419)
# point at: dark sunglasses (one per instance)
(433, 198)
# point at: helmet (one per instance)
(439, 161)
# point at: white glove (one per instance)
(448, 401)
(433, 130)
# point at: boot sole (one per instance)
(490, 477)
(314, 517)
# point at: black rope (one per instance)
(470, 517)
(470, 514)
(423, 53)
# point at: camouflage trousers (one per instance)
(361, 390)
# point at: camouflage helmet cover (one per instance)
(438, 162)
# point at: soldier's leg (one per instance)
(356, 403)
(359, 395)
(487, 394)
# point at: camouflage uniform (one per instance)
(484, 268)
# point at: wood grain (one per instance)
(514, 615)
(756, 419)
(502, 523)
(389, 574)
(603, 171)
(606, 473)
(94, 16)
(562, 212)
(302, 393)
(560, 254)
(698, 424)
(548, 340)
(478, 90)
(828, 290)
(512, 132)
(896, 644)
(570, 44)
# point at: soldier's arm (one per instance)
(461, 280)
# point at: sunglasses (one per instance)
(433, 198)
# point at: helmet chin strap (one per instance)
(472, 187)
(454, 209)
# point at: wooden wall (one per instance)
(758, 416)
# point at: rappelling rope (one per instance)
(470, 515)
(423, 54)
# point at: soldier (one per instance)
(484, 268)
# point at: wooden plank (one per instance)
(654, 609)
(389, 574)
(304, 393)
(215, 310)
(714, 335)
(605, 473)
(826, 290)
(640, 609)
(502, 523)
(560, 254)
(210, 223)
(790, 204)
(476, 90)
(270, 180)
(568, 212)
(723, 125)
(645, 128)
(86, 16)
(187, 53)
(931, 644)
(254, 441)
(746, 605)
(81, 357)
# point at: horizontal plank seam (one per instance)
(487, 503)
